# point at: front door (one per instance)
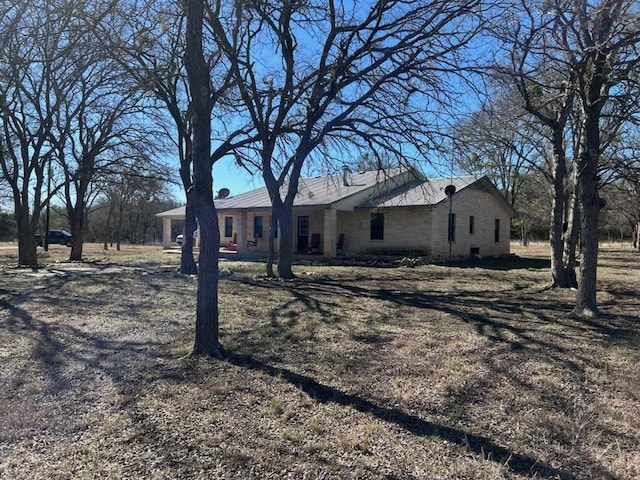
(303, 234)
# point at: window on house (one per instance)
(471, 225)
(496, 232)
(228, 226)
(377, 226)
(257, 227)
(451, 231)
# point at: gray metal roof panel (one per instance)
(312, 191)
(418, 193)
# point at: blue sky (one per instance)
(226, 174)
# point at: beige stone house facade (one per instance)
(375, 213)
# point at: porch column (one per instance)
(242, 232)
(166, 232)
(330, 232)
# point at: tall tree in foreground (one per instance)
(543, 77)
(365, 75)
(201, 191)
(572, 63)
(149, 45)
(605, 39)
(26, 117)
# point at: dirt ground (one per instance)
(469, 370)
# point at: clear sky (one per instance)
(226, 174)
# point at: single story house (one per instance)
(373, 213)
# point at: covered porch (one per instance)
(315, 230)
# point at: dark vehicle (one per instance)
(59, 237)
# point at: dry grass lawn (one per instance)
(463, 371)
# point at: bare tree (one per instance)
(27, 109)
(312, 74)
(567, 59)
(605, 37)
(104, 125)
(148, 41)
(545, 81)
(201, 191)
(66, 104)
(498, 140)
(127, 196)
(150, 44)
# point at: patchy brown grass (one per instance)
(463, 371)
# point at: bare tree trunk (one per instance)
(27, 254)
(571, 241)
(557, 212)
(76, 225)
(524, 240)
(586, 303)
(107, 228)
(590, 204)
(273, 227)
(187, 262)
(285, 259)
(75, 214)
(206, 338)
(201, 192)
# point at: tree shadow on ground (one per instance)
(478, 444)
(55, 346)
(512, 320)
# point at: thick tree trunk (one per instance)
(557, 215)
(201, 192)
(285, 220)
(595, 91)
(27, 253)
(206, 338)
(590, 204)
(76, 224)
(271, 256)
(586, 303)
(76, 206)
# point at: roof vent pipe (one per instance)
(345, 175)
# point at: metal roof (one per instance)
(391, 190)
(419, 193)
(312, 191)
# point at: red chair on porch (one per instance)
(233, 244)
(340, 244)
(315, 243)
